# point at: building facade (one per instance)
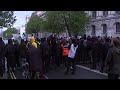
(103, 23)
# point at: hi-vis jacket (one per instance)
(65, 50)
(32, 41)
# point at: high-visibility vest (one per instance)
(38, 43)
(65, 51)
(13, 43)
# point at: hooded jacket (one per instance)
(32, 40)
(113, 60)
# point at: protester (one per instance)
(22, 49)
(71, 55)
(35, 61)
(53, 51)
(113, 60)
(2, 58)
(65, 51)
(58, 54)
(106, 45)
(32, 41)
(10, 55)
(44, 54)
(17, 53)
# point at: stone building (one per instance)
(103, 23)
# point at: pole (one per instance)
(1, 32)
(25, 27)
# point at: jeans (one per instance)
(65, 60)
(71, 62)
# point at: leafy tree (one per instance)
(59, 21)
(9, 32)
(35, 24)
(7, 19)
(53, 22)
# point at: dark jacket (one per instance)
(2, 50)
(16, 50)
(22, 50)
(105, 48)
(44, 49)
(35, 59)
(2, 53)
(10, 54)
(113, 60)
(53, 46)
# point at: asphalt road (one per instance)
(82, 72)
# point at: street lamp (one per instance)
(26, 26)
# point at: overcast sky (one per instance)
(20, 16)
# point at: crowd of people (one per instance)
(43, 53)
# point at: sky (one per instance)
(20, 16)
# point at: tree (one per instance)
(35, 24)
(9, 32)
(7, 19)
(59, 21)
(53, 22)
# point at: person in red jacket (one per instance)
(65, 51)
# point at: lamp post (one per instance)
(26, 18)
(1, 33)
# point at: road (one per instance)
(82, 72)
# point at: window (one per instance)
(93, 30)
(105, 13)
(105, 29)
(118, 12)
(117, 27)
(93, 14)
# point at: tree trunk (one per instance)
(76, 34)
(58, 34)
(66, 24)
(69, 33)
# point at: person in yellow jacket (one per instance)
(32, 41)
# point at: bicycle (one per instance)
(25, 68)
(40, 76)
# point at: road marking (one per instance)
(45, 76)
(11, 74)
(96, 71)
